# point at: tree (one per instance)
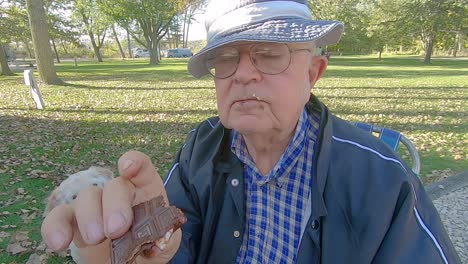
(173, 33)
(377, 24)
(41, 41)
(13, 27)
(4, 62)
(61, 27)
(429, 16)
(116, 36)
(350, 12)
(94, 23)
(6, 24)
(188, 18)
(425, 19)
(381, 25)
(147, 21)
(456, 26)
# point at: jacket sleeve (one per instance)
(416, 233)
(178, 192)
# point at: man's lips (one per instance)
(246, 100)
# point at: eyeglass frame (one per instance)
(291, 51)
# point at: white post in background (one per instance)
(34, 91)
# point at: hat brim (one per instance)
(281, 30)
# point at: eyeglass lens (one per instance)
(268, 58)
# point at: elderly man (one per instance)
(275, 178)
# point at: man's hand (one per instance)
(98, 215)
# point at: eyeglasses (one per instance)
(268, 58)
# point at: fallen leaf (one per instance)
(7, 226)
(16, 248)
(35, 259)
(20, 236)
(4, 234)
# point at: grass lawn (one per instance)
(109, 108)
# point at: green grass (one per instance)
(106, 109)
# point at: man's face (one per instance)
(250, 101)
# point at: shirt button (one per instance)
(236, 234)
(315, 225)
(235, 182)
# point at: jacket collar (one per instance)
(321, 158)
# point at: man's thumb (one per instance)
(139, 170)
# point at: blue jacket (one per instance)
(367, 206)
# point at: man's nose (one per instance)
(246, 70)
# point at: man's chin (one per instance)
(247, 124)
(249, 128)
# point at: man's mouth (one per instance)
(247, 99)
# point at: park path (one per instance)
(453, 209)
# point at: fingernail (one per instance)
(116, 221)
(56, 240)
(94, 232)
(127, 164)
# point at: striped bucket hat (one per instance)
(281, 21)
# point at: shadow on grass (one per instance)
(82, 86)
(394, 67)
(417, 97)
(82, 143)
(393, 123)
(396, 61)
(391, 88)
(401, 113)
(58, 148)
(391, 74)
(148, 75)
(122, 111)
(405, 126)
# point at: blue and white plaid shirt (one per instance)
(276, 203)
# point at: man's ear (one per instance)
(317, 68)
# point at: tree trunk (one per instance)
(97, 50)
(65, 51)
(177, 39)
(168, 36)
(4, 63)
(380, 54)
(41, 42)
(55, 51)
(159, 50)
(130, 55)
(457, 44)
(153, 50)
(428, 46)
(184, 36)
(122, 53)
(30, 53)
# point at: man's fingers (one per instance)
(88, 211)
(57, 227)
(138, 169)
(117, 201)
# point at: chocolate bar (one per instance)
(153, 225)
